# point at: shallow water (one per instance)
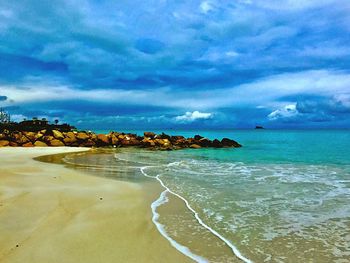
(283, 197)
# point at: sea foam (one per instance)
(159, 202)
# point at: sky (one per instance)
(177, 64)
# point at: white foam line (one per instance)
(228, 243)
(185, 250)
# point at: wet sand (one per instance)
(49, 213)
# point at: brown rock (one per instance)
(87, 143)
(195, 146)
(148, 143)
(30, 135)
(163, 136)
(226, 142)
(20, 138)
(216, 143)
(149, 134)
(48, 139)
(114, 139)
(56, 143)
(204, 142)
(4, 143)
(103, 138)
(57, 134)
(82, 136)
(198, 137)
(40, 144)
(13, 144)
(28, 144)
(70, 138)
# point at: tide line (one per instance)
(183, 249)
(235, 251)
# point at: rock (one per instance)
(87, 143)
(4, 143)
(204, 142)
(148, 143)
(226, 142)
(13, 144)
(134, 142)
(216, 143)
(30, 135)
(198, 137)
(48, 139)
(57, 134)
(40, 144)
(195, 146)
(114, 139)
(125, 142)
(70, 138)
(103, 138)
(149, 134)
(20, 138)
(82, 136)
(56, 143)
(28, 144)
(163, 136)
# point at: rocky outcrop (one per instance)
(150, 140)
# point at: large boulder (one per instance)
(56, 143)
(195, 146)
(149, 135)
(30, 135)
(47, 139)
(28, 144)
(4, 143)
(204, 142)
(163, 136)
(87, 143)
(70, 138)
(20, 138)
(148, 143)
(114, 139)
(198, 137)
(216, 143)
(226, 142)
(57, 134)
(82, 136)
(103, 139)
(40, 144)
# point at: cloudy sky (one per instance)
(177, 64)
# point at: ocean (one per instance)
(283, 197)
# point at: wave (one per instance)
(234, 249)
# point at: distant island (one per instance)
(41, 133)
(259, 127)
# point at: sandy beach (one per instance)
(49, 213)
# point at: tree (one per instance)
(56, 121)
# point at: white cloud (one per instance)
(263, 92)
(287, 111)
(231, 53)
(205, 7)
(192, 116)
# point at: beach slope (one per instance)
(49, 213)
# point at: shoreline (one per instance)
(50, 213)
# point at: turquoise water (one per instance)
(283, 197)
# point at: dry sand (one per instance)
(49, 213)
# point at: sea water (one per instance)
(283, 197)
